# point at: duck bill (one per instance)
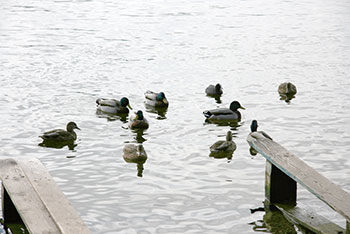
(129, 107)
(165, 101)
(77, 128)
(242, 107)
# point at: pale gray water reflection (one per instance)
(112, 117)
(216, 97)
(138, 135)
(58, 57)
(70, 145)
(160, 111)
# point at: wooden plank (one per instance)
(309, 219)
(27, 202)
(323, 188)
(40, 203)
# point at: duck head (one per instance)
(236, 105)
(139, 115)
(71, 126)
(254, 126)
(124, 102)
(161, 97)
(218, 87)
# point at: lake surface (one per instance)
(58, 57)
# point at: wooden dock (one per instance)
(283, 171)
(30, 195)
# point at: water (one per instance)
(58, 57)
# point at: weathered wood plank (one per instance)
(309, 219)
(40, 203)
(323, 188)
(26, 200)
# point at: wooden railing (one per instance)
(283, 171)
(30, 196)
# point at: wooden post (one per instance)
(279, 187)
(283, 171)
(9, 211)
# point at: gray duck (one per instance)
(214, 90)
(226, 114)
(157, 100)
(113, 106)
(60, 135)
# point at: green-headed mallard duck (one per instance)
(156, 99)
(231, 113)
(227, 146)
(287, 88)
(138, 121)
(254, 128)
(60, 135)
(212, 90)
(113, 106)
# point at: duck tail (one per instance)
(44, 138)
(207, 114)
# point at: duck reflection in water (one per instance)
(60, 138)
(70, 145)
(112, 117)
(214, 92)
(223, 149)
(133, 153)
(160, 111)
(274, 222)
(287, 98)
(139, 135)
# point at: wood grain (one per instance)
(42, 206)
(310, 219)
(323, 188)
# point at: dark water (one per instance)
(58, 57)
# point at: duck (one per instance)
(60, 135)
(138, 121)
(227, 146)
(231, 113)
(156, 99)
(135, 154)
(287, 88)
(214, 90)
(254, 128)
(113, 106)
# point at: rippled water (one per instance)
(58, 57)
